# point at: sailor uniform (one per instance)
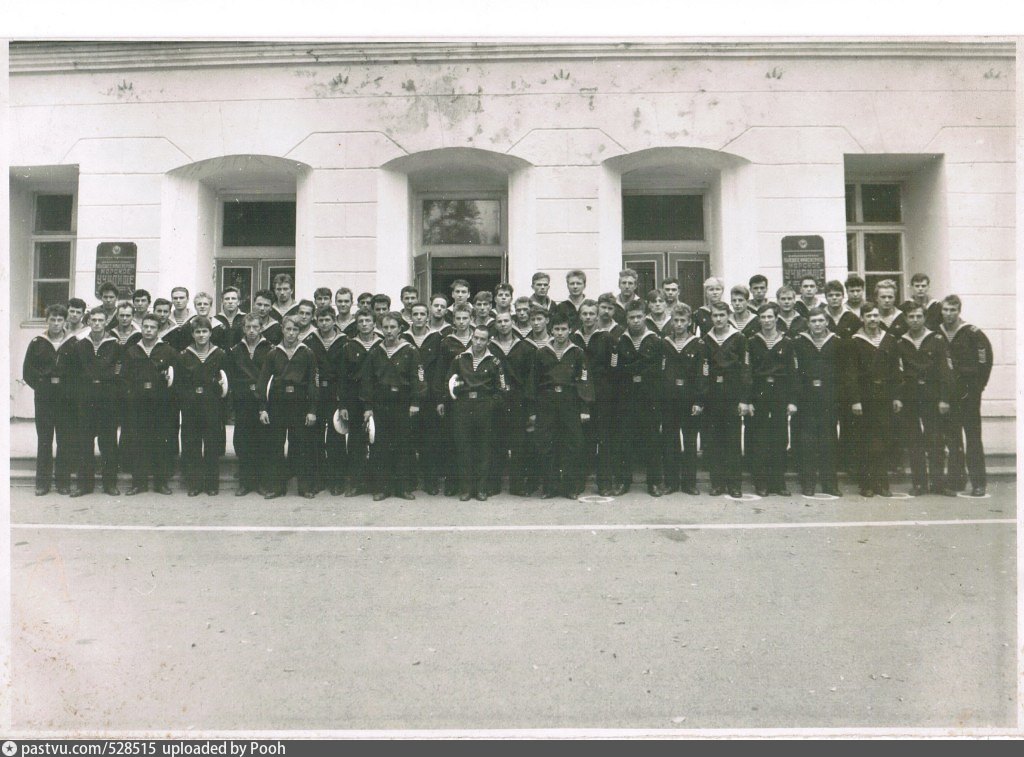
(683, 388)
(518, 363)
(149, 378)
(49, 370)
(772, 372)
(251, 437)
(817, 402)
(201, 384)
(637, 363)
(354, 354)
(971, 354)
(927, 375)
(98, 369)
(727, 371)
(328, 444)
(478, 389)
(288, 393)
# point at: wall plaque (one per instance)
(803, 256)
(115, 262)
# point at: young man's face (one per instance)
(635, 321)
(380, 308)
(503, 324)
(251, 330)
(921, 289)
(261, 306)
(560, 333)
(290, 333)
(75, 315)
(681, 324)
(325, 324)
(575, 285)
(201, 336)
(539, 323)
(605, 311)
(461, 320)
(808, 288)
(108, 298)
(739, 303)
(523, 313)
(419, 316)
(97, 323)
(125, 315)
(855, 294)
(758, 291)
(140, 305)
(834, 299)
(872, 318)
(540, 287)
(627, 286)
(364, 324)
(364, 302)
(229, 301)
(767, 319)
(179, 300)
(480, 339)
(284, 293)
(950, 314)
(305, 314)
(671, 293)
(321, 300)
(657, 306)
(886, 299)
(915, 318)
(389, 327)
(409, 299)
(713, 292)
(438, 306)
(786, 301)
(482, 309)
(203, 306)
(818, 325)
(588, 316)
(503, 298)
(149, 328)
(54, 324)
(460, 293)
(719, 318)
(163, 312)
(343, 301)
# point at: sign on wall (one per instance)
(803, 256)
(115, 262)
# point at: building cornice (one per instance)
(59, 56)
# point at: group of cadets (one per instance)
(453, 394)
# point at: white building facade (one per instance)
(373, 165)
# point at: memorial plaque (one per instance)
(803, 256)
(115, 262)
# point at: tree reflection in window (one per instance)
(462, 222)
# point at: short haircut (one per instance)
(442, 295)
(954, 300)
(853, 281)
(719, 306)
(681, 308)
(283, 278)
(636, 305)
(97, 311)
(122, 305)
(108, 286)
(835, 285)
(364, 296)
(228, 290)
(576, 273)
(291, 320)
(459, 283)
(740, 289)
(866, 307)
(484, 296)
(607, 298)
(588, 303)
(408, 288)
(557, 319)
(538, 276)
(151, 317)
(364, 313)
(77, 302)
(534, 310)
(521, 301)
(808, 278)
(817, 310)
(200, 322)
(266, 294)
(306, 304)
(504, 287)
(758, 278)
(713, 281)
(785, 289)
(773, 306)
(911, 306)
(885, 284)
(920, 277)
(419, 304)
(142, 293)
(202, 296)
(462, 307)
(669, 280)
(250, 318)
(57, 309)
(483, 328)
(380, 298)
(655, 294)
(391, 315)
(179, 289)
(628, 273)
(343, 290)
(323, 312)
(160, 301)
(321, 292)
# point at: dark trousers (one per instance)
(816, 420)
(126, 427)
(449, 464)
(54, 420)
(679, 429)
(872, 431)
(766, 439)
(599, 434)
(964, 428)
(152, 434)
(288, 423)
(560, 441)
(523, 474)
(392, 452)
(328, 449)
(722, 435)
(97, 420)
(474, 441)
(357, 452)
(639, 437)
(922, 438)
(250, 442)
(427, 431)
(202, 446)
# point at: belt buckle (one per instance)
(393, 388)
(147, 384)
(816, 382)
(97, 381)
(325, 383)
(719, 379)
(472, 395)
(920, 382)
(54, 379)
(557, 389)
(200, 390)
(637, 379)
(680, 382)
(252, 387)
(769, 380)
(289, 390)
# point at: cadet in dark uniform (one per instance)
(772, 397)
(971, 354)
(789, 322)
(98, 368)
(626, 296)
(126, 333)
(284, 303)
(927, 391)
(227, 324)
(599, 433)
(288, 404)
(563, 395)
(890, 318)
(658, 318)
(743, 319)
(482, 310)
(346, 321)
(202, 386)
(842, 321)
(477, 381)
(49, 369)
(354, 355)
(727, 401)
(575, 282)
(541, 283)
(251, 437)
(455, 343)
(149, 368)
(636, 357)
(714, 288)
(427, 423)
(871, 385)
(808, 299)
(683, 402)
(817, 352)
(518, 357)
(262, 305)
(393, 387)
(921, 285)
(328, 445)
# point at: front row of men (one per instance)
(387, 411)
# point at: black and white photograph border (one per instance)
(615, 610)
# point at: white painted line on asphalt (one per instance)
(569, 527)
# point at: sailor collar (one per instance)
(711, 334)
(828, 335)
(192, 349)
(680, 348)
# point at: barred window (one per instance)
(53, 247)
(875, 234)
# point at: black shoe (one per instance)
(76, 492)
(354, 491)
(547, 495)
(691, 490)
(465, 497)
(654, 491)
(308, 495)
(405, 495)
(64, 490)
(978, 491)
(433, 491)
(194, 492)
(377, 497)
(42, 490)
(163, 489)
(242, 490)
(135, 490)
(942, 491)
(735, 493)
(450, 491)
(336, 491)
(717, 491)
(112, 491)
(604, 492)
(833, 491)
(482, 496)
(212, 491)
(886, 492)
(783, 492)
(273, 494)
(572, 495)
(917, 491)
(808, 491)
(865, 492)
(760, 491)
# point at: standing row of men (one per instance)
(453, 394)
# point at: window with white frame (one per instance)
(53, 249)
(876, 234)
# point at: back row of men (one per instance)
(547, 391)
